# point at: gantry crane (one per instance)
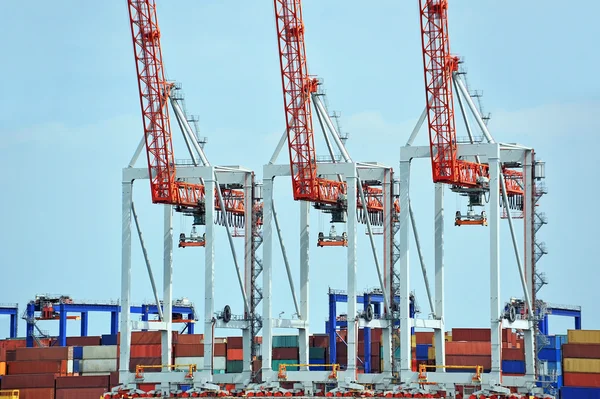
(155, 91)
(299, 88)
(467, 178)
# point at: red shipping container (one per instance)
(39, 367)
(190, 339)
(581, 351)
(454, 360)
(146, 350)
(11, 344)
(36, 393)
(188, 350)
(321, 341)
(146, 361)
(376, 334)
(468, 348)
(27, 381)
(114, 379)
(84, 381)
(84, 341)
(513, 354)
(11, 355)
(285, 353)
(235, 354)
(424, 337)
(52, 353)
(220, 350)
(80, 393)
(471, 334)
(588, 380)
(235, 343)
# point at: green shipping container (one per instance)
(316, 353)
(235, 366)
(218, 371)
(276, 363)
(285, 341)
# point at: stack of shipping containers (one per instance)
(581, 365)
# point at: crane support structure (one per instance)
(154, 91)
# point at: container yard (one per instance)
(260, 262)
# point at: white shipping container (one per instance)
(98, 365)
(219, 363)
(100, 352)
(105, 373)
(70, 366)
(181, 361)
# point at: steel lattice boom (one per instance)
(154, 92)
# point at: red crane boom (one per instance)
(154, 91)
(439, 67)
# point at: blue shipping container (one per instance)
(77, 352)
(513, 366)
(109, 339)
(423, 351)
(551, 355)
(76, 366)
(579, 393)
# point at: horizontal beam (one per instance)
(426, 323)
(465, 378)
(149, 325)
(152, 309)
(508, 155)
(237, 324)
(518, 324)
(367, 171)
(227, 176)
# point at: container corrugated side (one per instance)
(184, 361)
(82, 382)
(28, 381)
(98, 365)
(583, 336)
(587, 380)
(581, 351)
(80, 393)
(219, 363)
(36, 393)
(579, 393)
(99, 352)
(581, 365)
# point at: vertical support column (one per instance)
(209, 273)
(30, 322)
(248, 244)
(190, 325)
(332, 327)
(352, 269)
(167, 337)
(578, 322)
(405, 324)
(114, 322)
(367, 336)
(304, 279)
(494, 226)
(440, 346)
(84, 324)
(62, 326)
(529, 262)
(388, 274)
(267, 274)
(13, 325)
(124, 355)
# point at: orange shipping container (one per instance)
(235, 354)
(54, 353)
(190, 339)
(424, 337)
(188, 350)
(220, 350)
(471, 361)
(586, 380)
(468, 348)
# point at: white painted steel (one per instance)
(494, 227)
(351, 181)
(209, 275)
(303, 333)
(166, 335)
(125, 328)
(267, 273)
(405, 337)
(440, 342)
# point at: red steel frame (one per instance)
(439, 66)
(154, 92)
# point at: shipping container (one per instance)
(98, 365)
(28, 381)
(80, 393)
(277, 363)
(188, 350)
(145, 361)
(2, 368)
(146, 350)
(552, 355)
(468, 348)
(471, 361)
(316, 353)
(219, 349)
(321, 341)
(513, 354)
(422, 351)
(77, 352)
(46, 353)
(37, 393)
(471, 334)
(234, 366)
(285, 341)
(424, 337)
(84, 341)
(234, 354)
(579, 365)
(184, 362)
(39, 367)
(99, 352)
(579, 393)
(583, 336)
(513, 366)
(235, 343)
(82, 382)
(587, 380)
(190, 339)
(219, 363)
(109, 339)
(285, 353)
(581, 351)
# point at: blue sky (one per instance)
(71, 121)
